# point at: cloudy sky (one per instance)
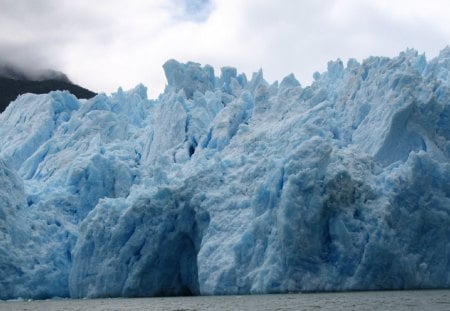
(104, 44)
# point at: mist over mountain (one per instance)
(15, 72)
(15, 80)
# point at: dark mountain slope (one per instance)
(14, 82)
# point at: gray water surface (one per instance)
(384, 300)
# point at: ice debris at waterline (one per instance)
(229, 186)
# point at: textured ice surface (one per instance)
(225, 185)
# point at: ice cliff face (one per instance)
(229, 186)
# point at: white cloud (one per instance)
(106, 44)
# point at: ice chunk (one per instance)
(151, 248)
(189, 77)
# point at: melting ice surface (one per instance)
(229, 186)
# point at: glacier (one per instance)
(229, 185)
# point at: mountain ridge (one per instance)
(14, 82)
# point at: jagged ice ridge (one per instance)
(229, 186)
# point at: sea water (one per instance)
(381, 300)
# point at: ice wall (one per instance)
(229, 185)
